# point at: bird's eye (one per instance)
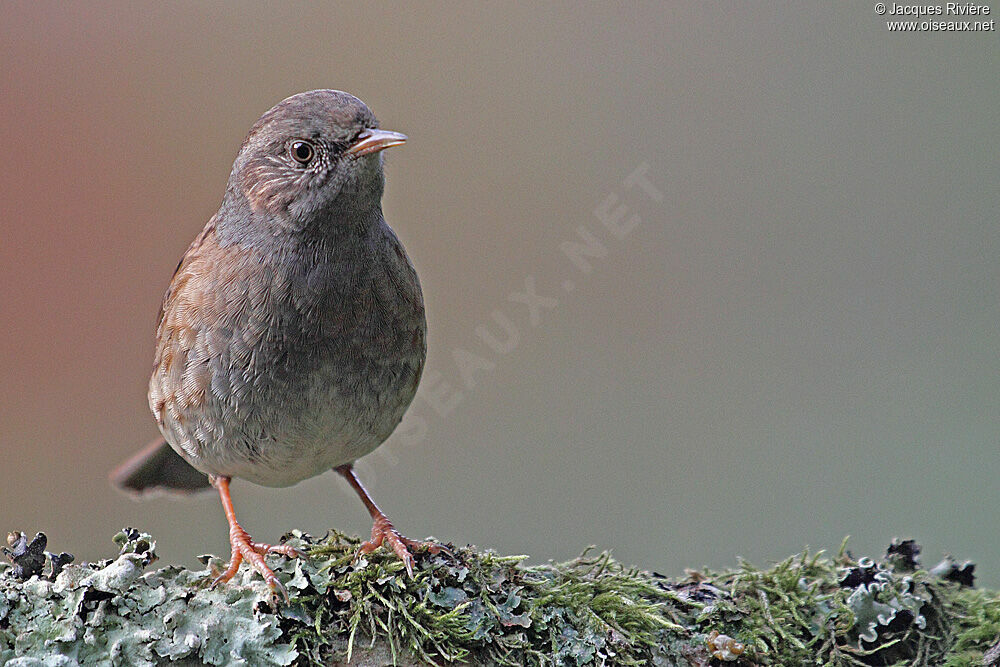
(301, 151)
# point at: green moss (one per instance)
(482, 608)
(977, 627)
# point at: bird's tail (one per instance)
(158, 469)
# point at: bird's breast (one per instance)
(266, 369)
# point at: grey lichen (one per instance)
(31, 558)
(468, 606)
(114, 612)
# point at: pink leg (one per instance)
(383, 530)
(244, 549)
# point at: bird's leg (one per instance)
(244, 549)
(383, 530)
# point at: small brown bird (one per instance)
(292, 336)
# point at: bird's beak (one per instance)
(373, 141)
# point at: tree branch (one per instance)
(476, 607)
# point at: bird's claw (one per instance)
(384, 532)
(278, 590)
(286, 550)
(253, 553)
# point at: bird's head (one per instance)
(314, 152)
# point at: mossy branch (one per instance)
(474, 607)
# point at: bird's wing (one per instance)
(191, 253)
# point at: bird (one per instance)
(292, 336)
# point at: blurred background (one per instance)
(789, 332)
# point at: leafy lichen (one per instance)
(469, 606)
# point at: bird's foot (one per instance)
(284, 549)
(383, 532)
(253, 553)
